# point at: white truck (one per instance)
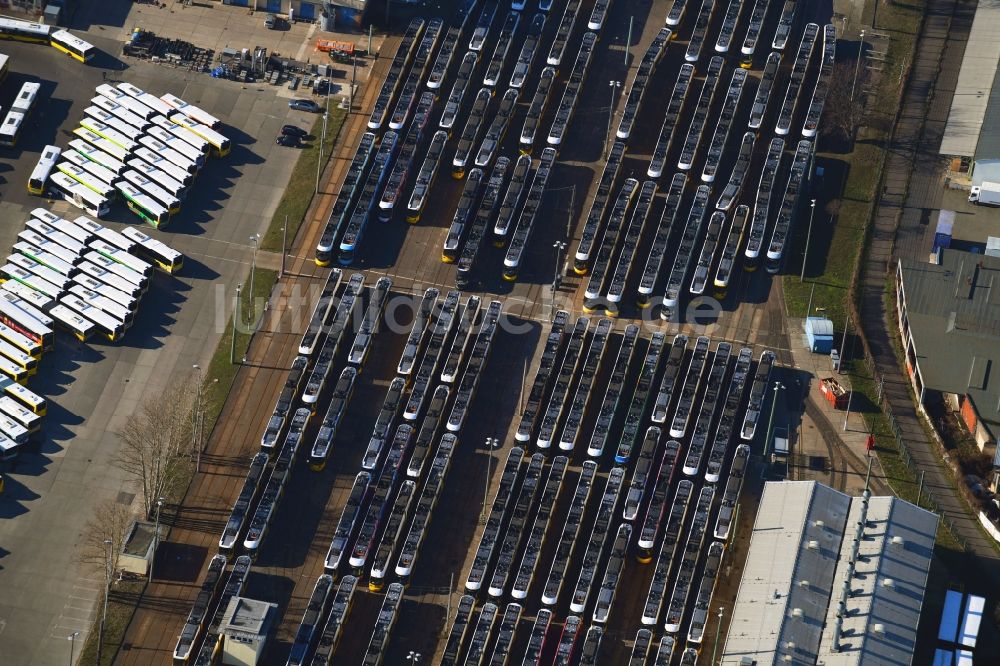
(987, 194)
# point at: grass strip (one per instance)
(298, 195)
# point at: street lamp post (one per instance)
(413, 657)
(857, 65)
(253, 266)
(805, 257)
(557, 276)
(72, 645)
(284, 244)
(156, 539)
(613, 86)
(107, 590)
(770, 422)
(718, 631)
(196, 424)
(319, 158)
(236, 314)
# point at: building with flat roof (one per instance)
(949, 321)
(245, 628)
(831, 579)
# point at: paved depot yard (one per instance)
(92, 388)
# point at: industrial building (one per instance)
(831, 579)
(949, 321)
(245, 629)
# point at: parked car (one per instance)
(287, 140)
(305, 105)
(294, 130)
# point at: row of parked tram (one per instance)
(384, 522)
(669, 497)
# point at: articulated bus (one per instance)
(122, 257)
(10, 130)
(40, 174)
(167, 153)
(178, 144)
(85, 178)
(131, 104)
(116, 151)
(97, 156)
(151, 212)
(183, 133)
(71, 45)
(113, 121)
(47, 259)
(101, 173)
(146, 98)
(167, 258)
(191, 111)
(80, 196)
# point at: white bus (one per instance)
(32, 267)
(27, 333)
(72, 321)
(15, 410)
(97, 156)
(62, 225)
(45, 258)
(11, 128)
(13, 430)
(183, 133)
(170, 154)
(106, 234)
(221, 145)
(178, 144)
(91, 283)
(99, 172)
(24, 397)
(172, 203)
(191, 111)
(106, 324)
(46, 225)
(40, 174)
(116, 310)
(26, 296)
(80, 196)
(20, 339)
(24, 361)
(182, 176)
(143, 205)
(108, 132)
(101, 143)
(119, 111)
(101, 274)
(152, 101)
(85, 178)
(113, 121)
(153, 250)
(159, 177)
(26, 97)
(122, 257)
(122, 271)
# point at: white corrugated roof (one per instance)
(975, 81)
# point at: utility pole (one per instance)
(614, 87)
(857, 65)
(236, 319)
(322, 137)
(805, 257)
(156, 539)
(770, 422)
(557, 276)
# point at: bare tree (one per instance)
(842, 113)
(104, 537)
(154, 441)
